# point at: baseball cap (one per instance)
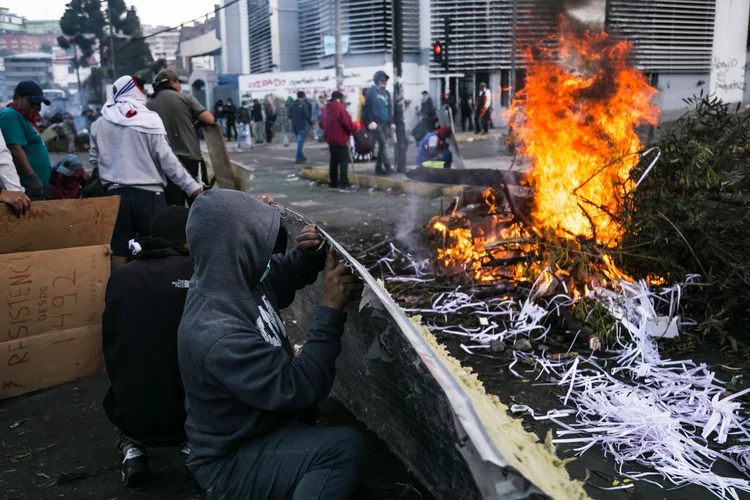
(33, 91)
(167, 75)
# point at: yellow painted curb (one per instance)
(422, 189)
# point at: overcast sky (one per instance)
(154, 12)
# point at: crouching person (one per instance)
(250, 401)
(143, 309)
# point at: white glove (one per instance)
(373, 126)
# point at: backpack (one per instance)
(363, 142)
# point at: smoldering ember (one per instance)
(414, 249)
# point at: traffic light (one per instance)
(437, 53)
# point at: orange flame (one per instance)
(576, 117)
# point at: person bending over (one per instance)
(142, 312)
(250, 401)
(434, 147)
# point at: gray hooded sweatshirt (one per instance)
(235, 359)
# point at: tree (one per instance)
(86, 24)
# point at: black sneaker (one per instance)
(134, 468)
(349, 188)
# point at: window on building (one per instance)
(71, 70)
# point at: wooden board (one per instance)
(220, 161)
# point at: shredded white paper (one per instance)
(636, 406)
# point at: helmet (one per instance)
(381, 75)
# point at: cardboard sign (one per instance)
(54, 290)
(59, 224)
(54, 267)
(32, 363)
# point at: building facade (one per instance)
(163, 43)
(43, 27)
(683, 46)
(11, 23)
(32, 66)
(19, 43)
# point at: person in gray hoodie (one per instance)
(250, 401)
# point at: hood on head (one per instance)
(232, 237)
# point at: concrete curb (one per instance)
(422, 189)
(466, 138)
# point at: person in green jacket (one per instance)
(18, 123)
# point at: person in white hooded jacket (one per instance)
(129, 147)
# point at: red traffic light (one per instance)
(437, 49)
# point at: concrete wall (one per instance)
(730, 50)
(674, 88)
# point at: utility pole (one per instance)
(339, 48)
(398, 89)
(112, 55)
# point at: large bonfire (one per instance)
(577, 119)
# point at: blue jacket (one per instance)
(378, 106)
(301, 115)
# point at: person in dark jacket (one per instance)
(143, 308)
(243, 128)
(270, 121)
(378, 114)
(257, 114)
(467, 111)
(338, 127)
(220, 113)
(250, 401)
(231, 111)
(301, 116)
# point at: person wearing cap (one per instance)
(484, 109)
(434, 147)
(129, 147)
(181, 114)
(378, 114)
(143, 306)
(338, 127)
(19, 125)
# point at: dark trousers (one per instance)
(294, 462)
(338, 172)
(483, 121)
(137, 208)
(467, 120)
(382, 162)
(231, 125)
(174, 194)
